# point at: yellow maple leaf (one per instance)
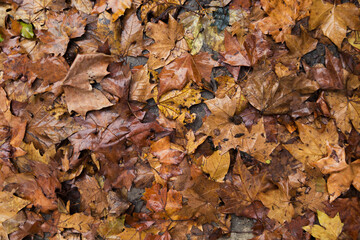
(330, 228)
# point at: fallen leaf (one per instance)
(313, 142)
(77, 221)
(329, 228)
(220, 124)
(216, 165)
(345, 110)
(340, 182)
(10, 205)
(185, 68)
(334, 20)
(255, 144)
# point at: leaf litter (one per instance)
(166, 119)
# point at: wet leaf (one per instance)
(329, 228)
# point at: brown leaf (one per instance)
(242, 190)
(255, 144)
(345, 110)
(185, 68)
(221, 124)
(10, 205)
(313, 142)
(86, 68)
(339, 182)
(165, 37)
(74, 98)
(92, 196)
(26, 186)
(334, 20)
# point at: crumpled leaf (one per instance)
(329, 228)
(334, 20)
(216, 165)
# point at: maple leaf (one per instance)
(167, 45)
(313, 142)
(61, 28)
(300, 45)
(333, 76)
(340, 182)
(141, 88)
(77, 221)
(220, 126)
(171, 103)
(45, 128)
(200, 30)
(84, 6)
(185, 68)
(92, 196)
(329, 228)
(282, 17)
(129, 41)
(159, 199)
(249, 52)
(111, 227)
(242, 190)
(334, 20)
(26, 187)
(312, 196)
(217, 165)
(349, 209)
(10, 205)
(35, 11)
(86, 68)
(333, 162)
(345, 110)
(278, 201)
(202, 200)
(254, 143)
(117, 7)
